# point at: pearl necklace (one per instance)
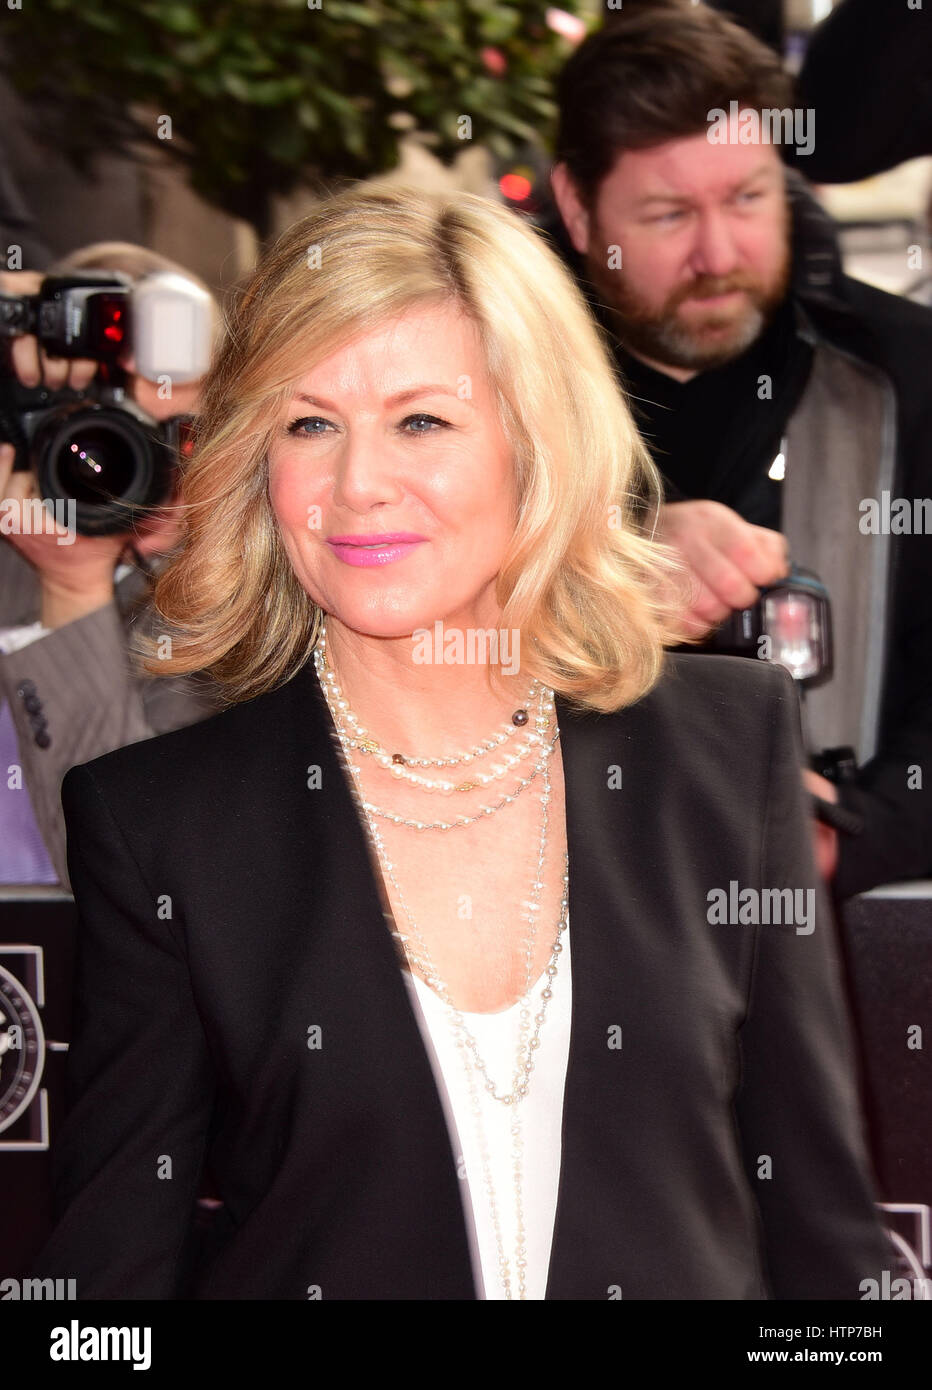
(343, 717)
(420, 960)
(398, 764)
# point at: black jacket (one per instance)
(226, 909)
(867, 74)
(893, 338)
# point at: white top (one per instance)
(541, 1113)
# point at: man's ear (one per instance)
(574, 215)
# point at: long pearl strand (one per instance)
(420, 959)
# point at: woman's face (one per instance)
(391, 478)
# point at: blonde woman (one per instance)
(418, 948)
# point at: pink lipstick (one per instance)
(375, 549)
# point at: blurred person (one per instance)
(69, 689)
(17, 225)
(276, 976)
(764, 18)
(750, 357)
(867, 73)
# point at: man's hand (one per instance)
(31, 363)
(826, 836)
(75, 572)
(76, 578)
(729, 559)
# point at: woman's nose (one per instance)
(366, 472)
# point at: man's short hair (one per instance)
(652, 74)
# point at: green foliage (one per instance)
(266, 94)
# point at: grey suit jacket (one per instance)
(77, 688)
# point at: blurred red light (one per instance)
(114, 329)
(515, 187)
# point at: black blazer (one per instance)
(226, 909)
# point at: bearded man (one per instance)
(779, 397)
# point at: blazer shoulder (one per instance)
(196, 750)
(720, 704)
(729, 704)
(708, 676)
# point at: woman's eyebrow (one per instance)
(408, 394)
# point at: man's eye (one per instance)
(298, 426)
(423, 419)
(750, 197)
(666, 218)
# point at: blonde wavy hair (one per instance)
(593, 595)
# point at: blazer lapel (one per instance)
(341, 968)
(585, 766)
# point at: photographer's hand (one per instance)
(75, 572)
(728, 558)
(76, 577)
(826, 839)
(32, 364)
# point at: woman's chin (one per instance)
(397, 615)
(379, 624)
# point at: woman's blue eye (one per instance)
(302, 426)
(297, 426)
(429, 419)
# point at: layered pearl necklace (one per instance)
(354, 739)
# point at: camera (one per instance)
(791, 624)
(97, 448)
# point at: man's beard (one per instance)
(711, 338)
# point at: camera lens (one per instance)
(109, 463)
(95, 466)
